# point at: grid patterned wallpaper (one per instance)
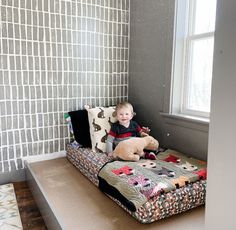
(56, 56)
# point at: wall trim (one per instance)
(186, 121)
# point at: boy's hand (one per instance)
(146, 130)
(143, 134)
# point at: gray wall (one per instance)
(221, 185)
(151, 39)
(56, 56)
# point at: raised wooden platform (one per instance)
(68, 200)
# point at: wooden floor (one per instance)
(30, 216)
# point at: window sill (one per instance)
(196, 123)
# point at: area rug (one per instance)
(9, 212)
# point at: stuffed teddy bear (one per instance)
(132, 149)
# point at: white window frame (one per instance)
(181, 59)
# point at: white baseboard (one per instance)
(44, 157)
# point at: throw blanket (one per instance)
(134, 183)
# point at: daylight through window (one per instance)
(193, 59)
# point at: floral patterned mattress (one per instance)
(185, 177)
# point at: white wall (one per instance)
(221, 197)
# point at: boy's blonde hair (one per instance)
(124, 104)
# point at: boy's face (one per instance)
(124, 115)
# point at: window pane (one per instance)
(205, 16)
(200, 75)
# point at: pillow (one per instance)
(80, 126)
(100, 119)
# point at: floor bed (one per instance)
(158, 207)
